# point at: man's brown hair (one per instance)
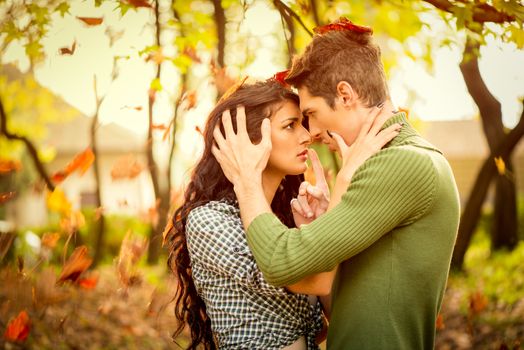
(337, 56)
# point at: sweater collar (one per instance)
(408, 135)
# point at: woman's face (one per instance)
(289, 141)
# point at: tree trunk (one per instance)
(99, 226)
(220, 21)
(155, 238)
(473, 208)
(503, 231)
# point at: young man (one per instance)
(391, 234)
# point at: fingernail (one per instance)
(309, 215)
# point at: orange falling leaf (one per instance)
(18, 329)
(139, 3)
(131, 250)
(91, 21)
(89, 282)
(49, 240)
(8, 165)
(501, 165)
(6, 196)
(126, 167)
(77, 263)
(221, 79)
(68, 51)
(159, 126)
(477, 303)
(440, 322)
(197, 129)
(81, 162)
(136, 108)
(191, 99)
(190, 52)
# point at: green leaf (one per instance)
(33, 49)
(63, 8)
(156, 85)
(517, 36)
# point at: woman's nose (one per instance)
(305, 137)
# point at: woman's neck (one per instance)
(270, 183)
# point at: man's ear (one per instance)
(346, 95)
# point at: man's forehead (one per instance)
(305, 99)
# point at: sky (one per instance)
(440, 95)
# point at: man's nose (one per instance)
(314, 131)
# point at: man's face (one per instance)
(322, 117)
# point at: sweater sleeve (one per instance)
(393, 188)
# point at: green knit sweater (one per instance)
(392, 234)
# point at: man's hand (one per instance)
(242, 161)
(312, 201)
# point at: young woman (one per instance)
(222, 295)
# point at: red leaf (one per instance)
(77, 263)
(18, 329)
(81, 162)
(91, 21)
(7, 165)
(139, 3)
(89, 282)
(67, 50)
(281, 76)
(341, 25)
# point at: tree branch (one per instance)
(482, 13)
(489, 107)
(29, 145)
(291, 13)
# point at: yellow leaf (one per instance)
(501, 166)
(57, 202)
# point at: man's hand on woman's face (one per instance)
(242, 161)
(312, 201)
(370, 140)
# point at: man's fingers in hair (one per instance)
(241, 121)
(228, 125)
(219, 138)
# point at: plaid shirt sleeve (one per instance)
(216, 239)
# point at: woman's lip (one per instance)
(303, 153)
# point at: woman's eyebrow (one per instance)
(291, 118)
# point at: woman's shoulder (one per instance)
(212, 213)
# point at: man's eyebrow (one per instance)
(306, 111)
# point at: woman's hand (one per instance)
(312, 201)
(369, 141)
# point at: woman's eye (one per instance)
(290, 126)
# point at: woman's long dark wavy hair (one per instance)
(208, 182)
